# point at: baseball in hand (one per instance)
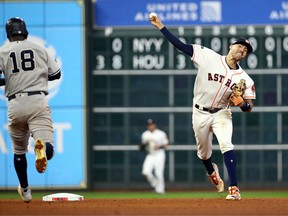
(152, 15)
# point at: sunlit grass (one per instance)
(145, 195)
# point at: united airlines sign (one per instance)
(185, 12)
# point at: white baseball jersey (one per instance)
(157, 138)
(26, 66)
(212, 88)
(215, 80)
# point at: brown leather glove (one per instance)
(236, 98)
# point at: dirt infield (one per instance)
(147, 207)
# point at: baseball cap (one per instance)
(244, 42)
(150, 121)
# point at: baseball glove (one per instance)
(236, 97)
(142, 147)
(148, 147)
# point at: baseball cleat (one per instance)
(25, 194)
(216, 180)
(234, 193)
(41, 159)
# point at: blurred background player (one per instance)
(213, 92)
(27, 67)
(154, 141)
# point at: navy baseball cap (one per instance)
(150, 121)
(244, 42)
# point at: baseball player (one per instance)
(27, 67)
(216, 87)
(154, 141)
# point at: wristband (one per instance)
(246, 106)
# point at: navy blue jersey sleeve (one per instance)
(186, 48)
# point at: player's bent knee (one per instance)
(204, 156)
(146, 174)
(49, 151)
(223, 150)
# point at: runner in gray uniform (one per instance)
(27, 67)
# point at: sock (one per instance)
(230, 162)
(20, 164)
(208, 165)
(49, 150)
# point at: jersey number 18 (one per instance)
(27, 61)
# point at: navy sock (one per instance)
(208, 165)
(230, 162)
(49, 150)
(20, 164)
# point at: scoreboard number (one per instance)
(147, 49)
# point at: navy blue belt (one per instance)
(28, 93)
(214, 110)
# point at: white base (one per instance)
(62, 197)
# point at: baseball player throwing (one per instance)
(219, 84)
(27, 67)
(154, 141)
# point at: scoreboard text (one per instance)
(148, 49)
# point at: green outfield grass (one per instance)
(145, 195)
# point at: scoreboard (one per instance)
(147, 49)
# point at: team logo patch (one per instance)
(253, 89)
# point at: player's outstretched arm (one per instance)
(185, 48)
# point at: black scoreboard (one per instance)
(146, 48)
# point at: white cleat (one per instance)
(25, 193)
(233, 193)
(216, 180)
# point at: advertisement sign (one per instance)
(186, 12)
(63, 36)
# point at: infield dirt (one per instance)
(146, 207)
